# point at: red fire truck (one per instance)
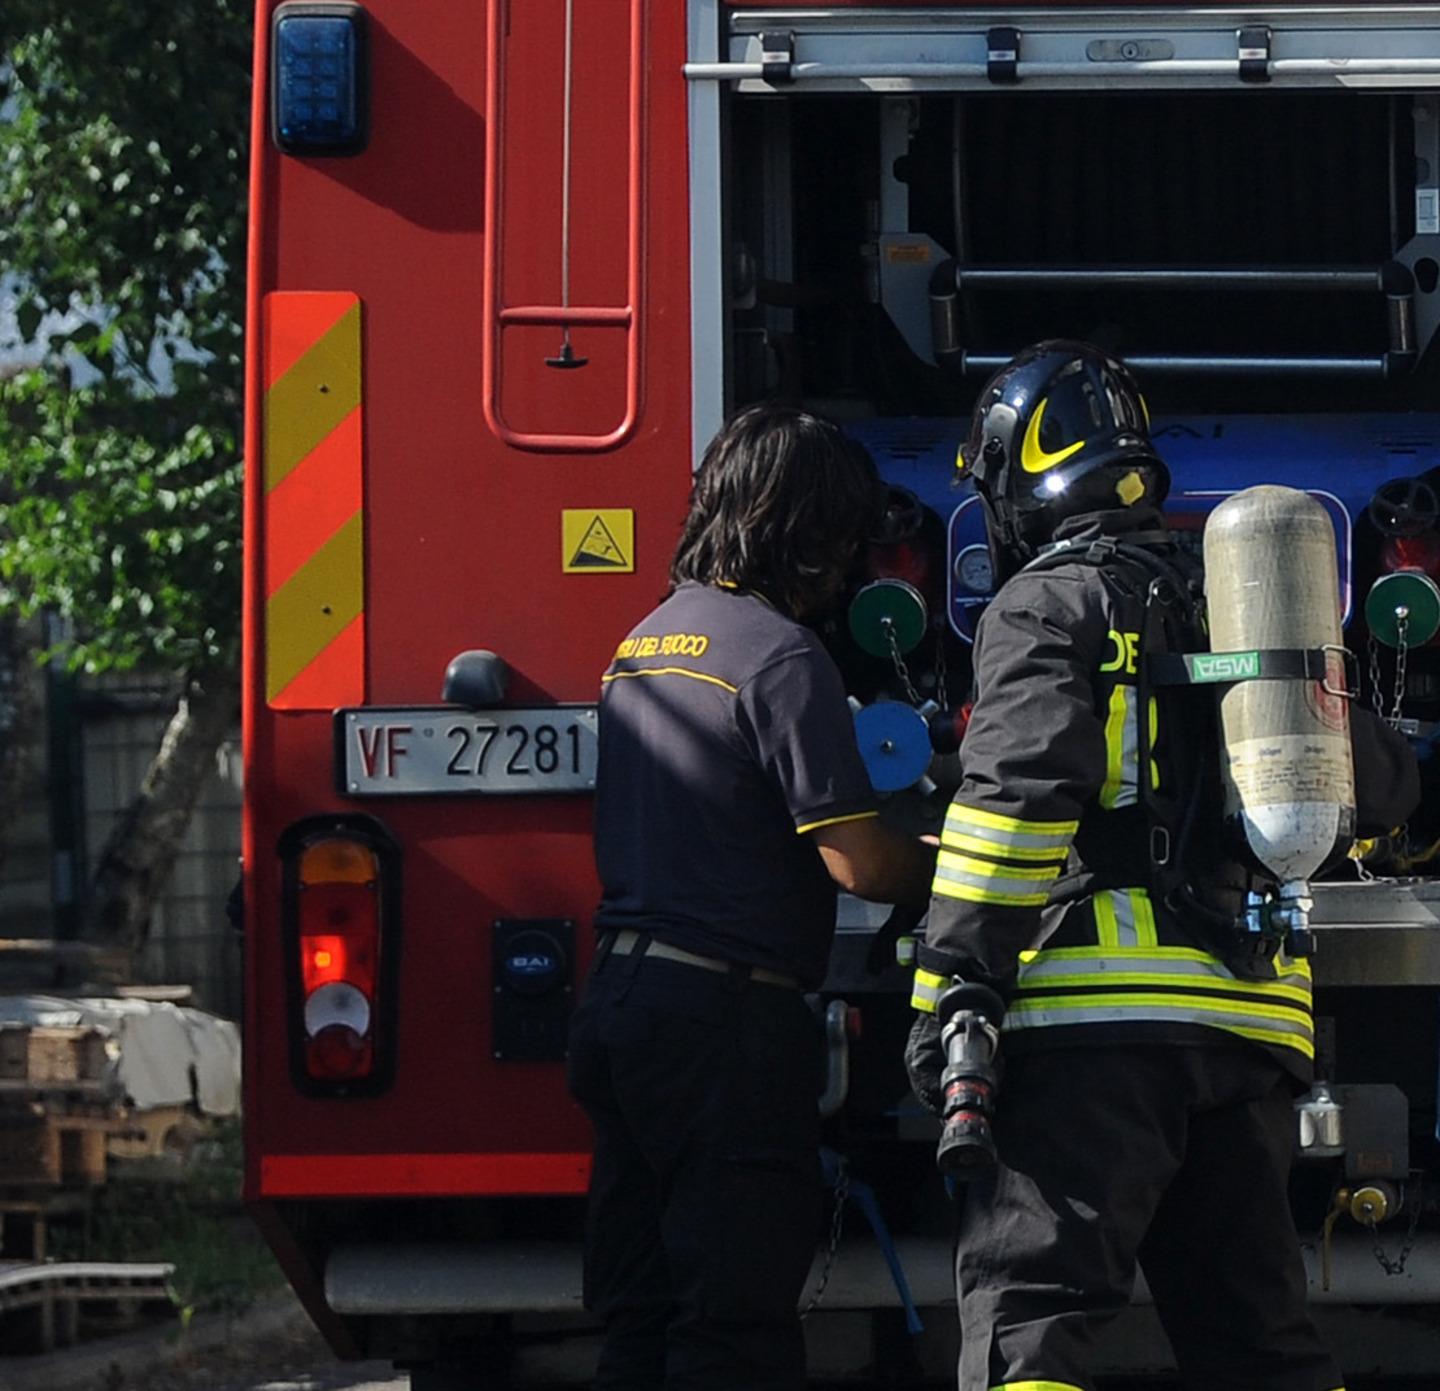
(511, 263)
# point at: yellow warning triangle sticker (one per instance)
(598, 540)
(598, 547)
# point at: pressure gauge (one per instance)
(973, 570)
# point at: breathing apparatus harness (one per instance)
(1174, 653)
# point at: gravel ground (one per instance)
(270, 1347)
(292, 1358)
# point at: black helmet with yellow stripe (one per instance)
(1061, 429)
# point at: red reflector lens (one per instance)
(332, 957)
(339, 935)
(338, 1052)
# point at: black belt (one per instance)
(627, 940)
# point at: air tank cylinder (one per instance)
(1271, 582)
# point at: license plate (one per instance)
(425, 751)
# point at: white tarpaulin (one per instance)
(163, 1054)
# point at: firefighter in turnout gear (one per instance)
(1148, 1058)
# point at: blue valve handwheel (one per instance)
(894, 743)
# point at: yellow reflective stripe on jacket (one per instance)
(957, 840)
(1280, 1025)
(1124, 918)
(1297, 968)
(984, 881)
(1000, 838)
(926, 990)
(1154, 735)
(1028, 875)
(1176, 968)
(1035, 977)
(1009, 834)
(954, 883)
(1122, 749)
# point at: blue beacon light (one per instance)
(318, 76)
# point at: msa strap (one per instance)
(1168, 587)
(1262, 664)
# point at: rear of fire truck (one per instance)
(511, 264)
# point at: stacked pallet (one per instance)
(57, 1106)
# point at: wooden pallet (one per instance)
(41, 1146)
(41, 1056)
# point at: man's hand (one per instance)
(925, 1061)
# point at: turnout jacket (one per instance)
(1042, 886)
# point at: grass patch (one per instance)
(189, 1215)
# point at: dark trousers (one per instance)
(1177, 1157)
(705, 1194)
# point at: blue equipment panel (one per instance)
(1339, 459)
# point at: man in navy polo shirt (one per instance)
(731, 802)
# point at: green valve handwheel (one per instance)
(886, 607)
(1404, 597)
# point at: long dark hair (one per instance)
(781, 503)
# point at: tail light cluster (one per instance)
(341, 897)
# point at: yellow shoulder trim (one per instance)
(835, 821)
(672, 671)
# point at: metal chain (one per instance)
(1402, 654)
(887, 626)
(1397, 1266)
(1402, 650)
(1376, 699)
(837, 1222)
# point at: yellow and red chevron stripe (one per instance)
(314, 557)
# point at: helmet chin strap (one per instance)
(1008, 552)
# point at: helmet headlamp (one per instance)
(998, 434)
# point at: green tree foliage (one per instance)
(125, 520)
(122, 177)
(123, 137)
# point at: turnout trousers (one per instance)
(705, 1194)
(1175, 1157)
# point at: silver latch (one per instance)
(777, 55)
(1254, 53)
(1002, 58)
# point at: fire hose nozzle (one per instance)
(969, 1015)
